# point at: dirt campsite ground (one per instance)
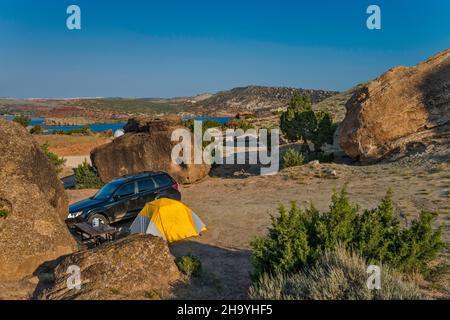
(237, 208)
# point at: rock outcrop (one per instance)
(404, 105)
(33, 206)
(146, 146)
(135, 267)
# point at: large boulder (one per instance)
(146, 146)
(135, 267)
(33, 203)
(404, 105)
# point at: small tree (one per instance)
(289, 119)
(22, 120)
(299, 121)
(324, 133)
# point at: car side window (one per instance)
(146, 185)
(125, 190)
(163, 181)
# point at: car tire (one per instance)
(100, 217)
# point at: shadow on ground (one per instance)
(225, 272)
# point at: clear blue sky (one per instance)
(174, 48)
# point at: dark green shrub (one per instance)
(293, 158)
(54, 159)
(22, 120)
(37, 129)
(75, 131)
(189, 265)
(86, 177)
(337, 275)
(3, 214)
(288, 119)
(324, 132)
(299, 237)
(79, 131)
(299, 121)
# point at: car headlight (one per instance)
(74, 214)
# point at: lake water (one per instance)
(105, 126)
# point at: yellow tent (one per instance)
(168, 219)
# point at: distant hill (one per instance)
(262, 101)
(258, 99)
(336, 103)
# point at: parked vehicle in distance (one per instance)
(124, 198)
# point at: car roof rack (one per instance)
(141, 174)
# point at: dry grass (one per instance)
(338, 275)
(65, 145)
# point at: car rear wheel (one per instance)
(100, 217)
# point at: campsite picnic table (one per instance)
(103, 231)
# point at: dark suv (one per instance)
(123, 198)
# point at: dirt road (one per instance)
(238, 209)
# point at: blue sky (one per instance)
(175, 48)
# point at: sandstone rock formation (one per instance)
(404, 105)
(146, 146)
(135, 267)
(33, 203)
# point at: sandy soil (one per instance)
(238, 209)
(66, 145)
(75, 161)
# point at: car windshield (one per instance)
(105, 192)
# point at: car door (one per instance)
(147, 191)
(165, 186)
(126, 201)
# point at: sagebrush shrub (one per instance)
(189, 265)
(299, 237)
(86, 177)
(337, 275)
(293, 158)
